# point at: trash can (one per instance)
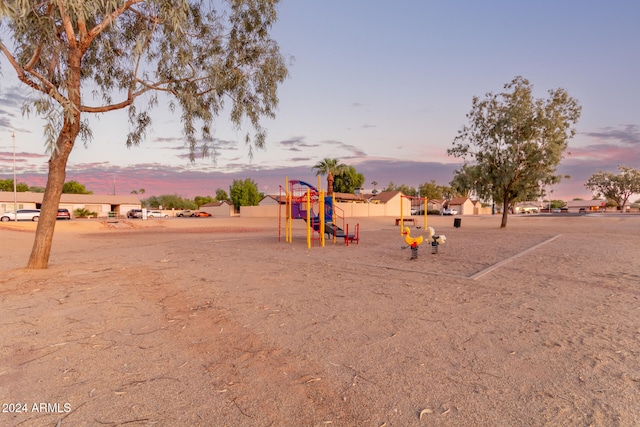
(457, 222)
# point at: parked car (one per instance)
(200, 213)
(185, 213)
(134, 213)
(64, 214)
(22, 215)
(156, 214)
(450, 212)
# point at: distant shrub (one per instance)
(434, 212)
(84, 213)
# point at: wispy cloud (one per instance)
(627, 134)
(22, 155)
(611, 147)
(355, 152)
(297, 144)
(12, 98)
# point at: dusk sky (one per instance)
(383, 86)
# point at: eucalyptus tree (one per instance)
(198, 57)
(432, 191)
(515, 142)
(74, 187)
(465, 179)
(618, 188)
(7, 185)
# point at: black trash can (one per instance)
(457, 222)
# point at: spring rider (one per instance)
(413, 243)
(435, 239)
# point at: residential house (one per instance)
(576, 206)
(463, 205)
(392, 201)
(103, 205)
(272, 200)
(526, 207)
(478, 209)
(351, 198)
(223, 208)
(436, 204)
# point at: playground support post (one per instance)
(309, 219)
(289, 227)
(333, 216)
(321, 220)
(424, 210)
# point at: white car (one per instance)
(23, 215)
(450, 212)
(156, 214)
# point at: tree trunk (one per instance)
(330, 184)
(505, 212)
(41, 250)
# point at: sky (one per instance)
(382, 86)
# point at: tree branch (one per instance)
(21, 74)
(132, 96)
(68, 27)
(93, 33)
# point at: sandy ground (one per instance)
(214, 322)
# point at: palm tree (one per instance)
(329, 167)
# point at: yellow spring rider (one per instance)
(415, 242)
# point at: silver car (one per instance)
(23, 215)
(157, 214)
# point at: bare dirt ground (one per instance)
(213, 322)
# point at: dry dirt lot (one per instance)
(214, 322)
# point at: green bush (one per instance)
(434, 212)
(84, 213)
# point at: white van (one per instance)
(23, 215)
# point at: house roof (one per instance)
(350, 197)
(585, 203)
(30, 197)
(385, 196)
(458, 200)
(216, 204)
(280, 199)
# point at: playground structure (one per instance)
(322, 216)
